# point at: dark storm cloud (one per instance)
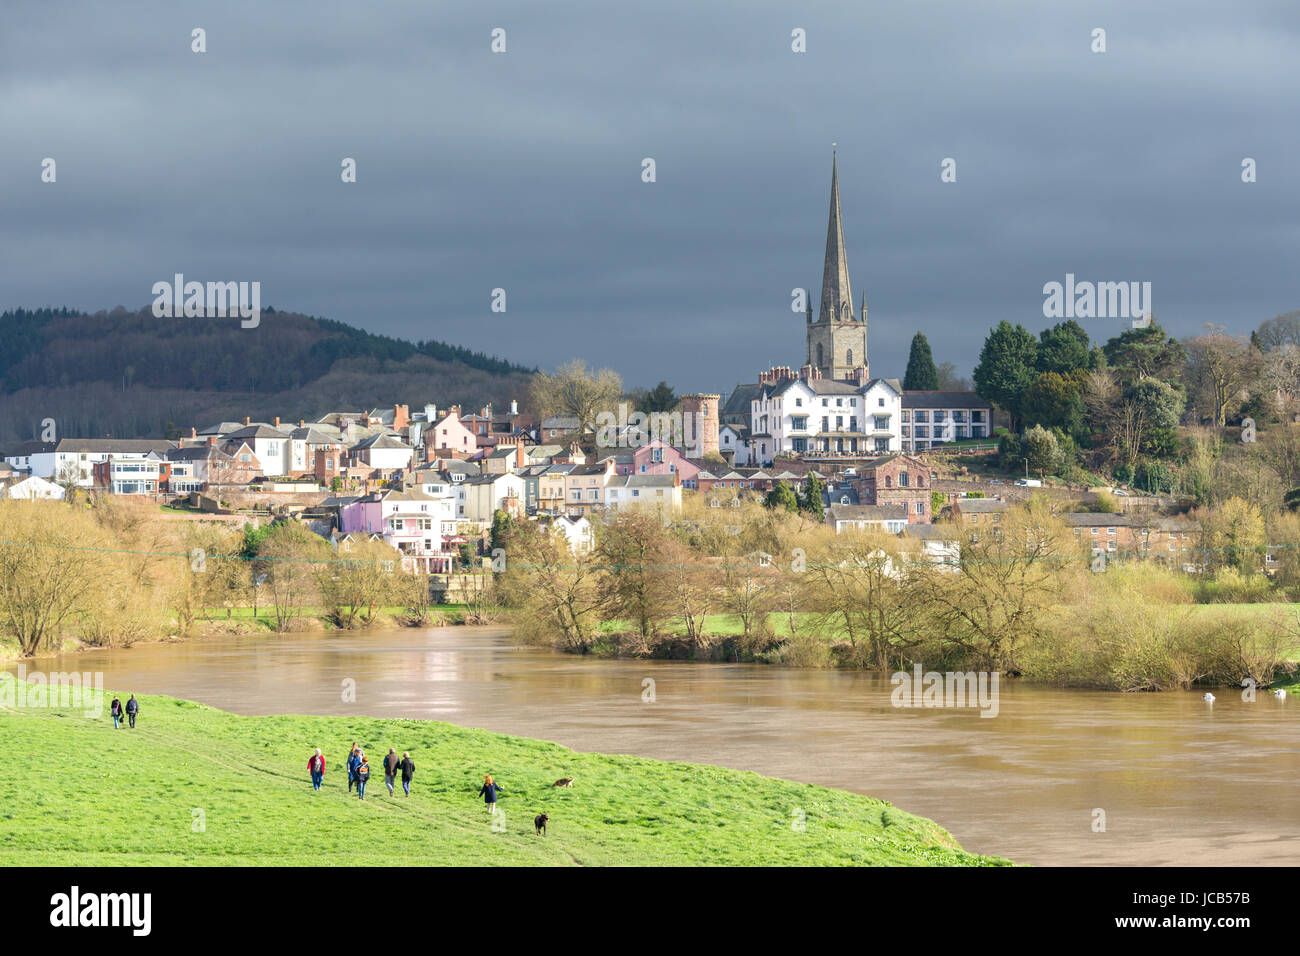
(522, 170)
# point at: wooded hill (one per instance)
(123, 373)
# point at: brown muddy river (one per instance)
(1180, 780)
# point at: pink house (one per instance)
(452, 435)
(657, 457)
(415, 524)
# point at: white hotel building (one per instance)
(814, 416)
(933, 418)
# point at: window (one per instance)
(920, 508)
(798, 403)
(839, 403)
(902, 479)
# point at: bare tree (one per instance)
(1219, 367)
(573, 389)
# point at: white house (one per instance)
(627, 491)
(273, 448)
(133, 475)
(32, 488)
(577, 531)
(940, 544)
(735, 438)
(384, 452)
(821, 416)
(481, 496)
(77, 457)
(891, 518)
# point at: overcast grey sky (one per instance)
(522, 170)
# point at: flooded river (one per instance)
(1179, 780)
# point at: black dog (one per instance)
(539, 823)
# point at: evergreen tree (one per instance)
(781, 496)
(811, 500)
(1006, 368)
(921, 373)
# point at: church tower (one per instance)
(837, 341)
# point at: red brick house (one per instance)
(896, 480)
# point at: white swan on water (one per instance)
(1280, 694)
(1209, 697)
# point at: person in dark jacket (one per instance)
(363, 775)
(116, 710)
(408, 771)
(353, 760)
(489, 792)
(132, 708)
(390, 769)
(316, 767)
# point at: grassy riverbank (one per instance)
(130, 798)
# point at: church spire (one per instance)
(837, 295)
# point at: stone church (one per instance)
(837, 341)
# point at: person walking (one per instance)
(316, 766)
(489, 792)
(116, 710)
(132, 708)
(408, 771)
(390, 769)
(363, 775)
(353, 761)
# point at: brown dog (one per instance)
(563, 782)
(539, 823)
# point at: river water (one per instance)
(1179, 780)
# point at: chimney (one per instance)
(194, 432)
(487, 411)
(401, 416)
(301, 423)
(212, 439)
(247, 420)
(514, 407)
(431, 414)
(276, 421)
(519, 456)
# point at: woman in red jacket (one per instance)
(316, 765)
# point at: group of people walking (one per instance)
(358, 767)
(121, 713)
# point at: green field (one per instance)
(85, 794)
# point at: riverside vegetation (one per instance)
(236, 793)
(741, 581)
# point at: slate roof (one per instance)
(930, 399)
(867, 512)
